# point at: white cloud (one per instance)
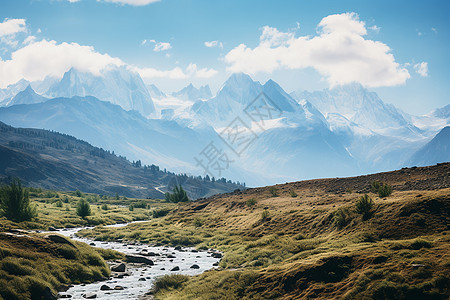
(176, 73)
(421, 69)
(36, 60)
(212, 44)
(375, 28)
(73, 1)
(29, 39)
(434, 30)
(149, 73)
(132, 2)
(339, 52)
(160, 46)
(192, 69)
(12, 26)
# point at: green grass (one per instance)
(31, 263)
(327, 247)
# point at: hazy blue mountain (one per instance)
(191, 93)
(118, 85)
(11, 90)
(27, 96)
(292, 141)
(155, 92)
(52, 160)
(361, 107)
(442, 113)
(106, 125)
(435, 151)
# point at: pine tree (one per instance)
(15, 203)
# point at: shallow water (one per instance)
(134, 285)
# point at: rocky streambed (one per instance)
(133, 278)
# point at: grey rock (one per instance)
(119, 268)
(139, 260)
(177, 268)
(194, 266)
(105, 288)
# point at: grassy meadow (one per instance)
(288, 242)
(33, 265)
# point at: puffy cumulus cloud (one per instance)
(339, 52)
(12, 26)
(131, 2)
(213, 44)
(36, 60)
(421, 69)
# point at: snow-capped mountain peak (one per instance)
(116, 84)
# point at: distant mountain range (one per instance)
(51, 160)
(343, 131)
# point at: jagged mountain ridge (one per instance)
(118, 85)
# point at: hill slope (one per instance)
(306, 239)
(436, 151)
(52, 160)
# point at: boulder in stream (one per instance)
(139, 260)
(89, 295)
(194, 266)
(177, 268)
(105, 288)
(119, 268)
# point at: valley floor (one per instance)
(297, 240)
(306, 240)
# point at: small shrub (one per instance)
(293, 193)
(340, 218)
(273, 191)
(104, 206)
(198, 222)
(140, 204)
(250, 202)
(364, 205)
(15, 203)
(59, 203)
(158, 213)
(78, 193)
(385, 190)
(382, 189)
(131, 207)
(178, 195)
(265, 215)
(83, 208)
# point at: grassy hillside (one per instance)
(47, 159)
(308, 240)
(34, 265)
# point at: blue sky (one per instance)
(413, 73)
